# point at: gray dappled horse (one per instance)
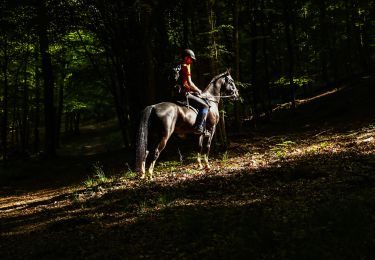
(163, 119)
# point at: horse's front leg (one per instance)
(199, 151)
(206, 149)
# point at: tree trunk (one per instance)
(37, 103)
(212, 37)
(149, 60)
(185, 22)
(288, 12)
(77, 119)
(14, 126)
(349, 31)
(60, 108)
(253, 61)
(266, 81)
(49, 108)
(357, 27)
(236, 47)
(4, 133)
(222, 133)
(25, 113)
(323, 40)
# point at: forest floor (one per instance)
(302, 187)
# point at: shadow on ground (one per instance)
(277, 212)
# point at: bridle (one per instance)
(227, 80)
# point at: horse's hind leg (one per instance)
(160, 147)
(143, 166)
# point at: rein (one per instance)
(215, 101)
(228, 96)
(219, 96)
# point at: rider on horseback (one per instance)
(192, 92)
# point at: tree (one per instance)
(47, 72)
(288, 16)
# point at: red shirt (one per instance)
(184, 74)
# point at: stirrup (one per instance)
(199, 130)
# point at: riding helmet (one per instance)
(188, 52)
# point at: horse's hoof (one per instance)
(143, 176)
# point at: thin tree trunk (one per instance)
(253, 61)
(287, 23)
(49, 108)
(266, 62)
(149, 61)
(60, 109)
(185, 23)
(323, 40)
(14, 127)
(25, 113)
(77, 119)
(222, 133)
(365, 39)
(4, 134)
(349, 31)
(357, 28)
(37, 104)
(237, 106)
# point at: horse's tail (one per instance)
(142, 138)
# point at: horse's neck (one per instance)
(213, 89)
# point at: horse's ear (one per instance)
(229, 70)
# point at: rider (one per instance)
(192, 92)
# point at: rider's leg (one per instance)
(201, 120)
(202, 112)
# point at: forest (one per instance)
(293, 159)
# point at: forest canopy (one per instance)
(64, 62)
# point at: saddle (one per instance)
(184, 103)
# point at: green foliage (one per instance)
(130, 174)
(97, 178)
(73, 106)
(225, 156)
(169, 165)
(300, 82)
(282, 149)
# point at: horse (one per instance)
(166, 118)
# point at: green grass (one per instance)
(98, 177)
(282, 149)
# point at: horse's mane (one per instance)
(213, 80)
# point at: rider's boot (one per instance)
(200, 121)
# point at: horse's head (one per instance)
(229, 86)
(222, 83)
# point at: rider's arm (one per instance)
(192, 86)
